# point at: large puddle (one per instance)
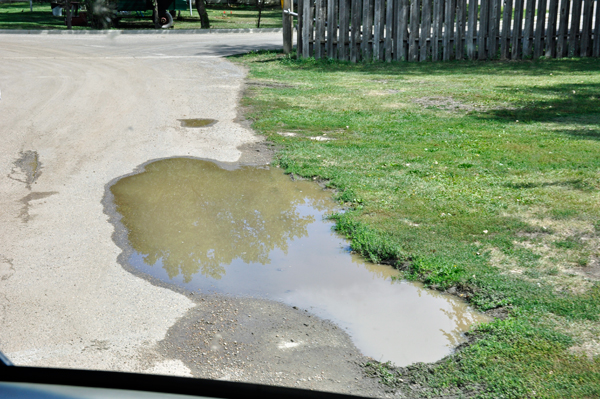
(251, 231)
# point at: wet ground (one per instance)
(101, 106)
(251, 231)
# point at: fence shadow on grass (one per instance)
(543, 67)
(569, 104)
(576, 184)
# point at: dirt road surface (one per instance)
(78, 111)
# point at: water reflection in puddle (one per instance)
(253, 232)
(197, 122)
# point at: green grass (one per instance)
(18, 16)
(484, 177)
(235, 17)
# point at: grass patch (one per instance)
(483, 178)
(18, 16)
(232, 17)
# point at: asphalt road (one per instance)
(77, 112)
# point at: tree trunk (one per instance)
(69, 14)
(156, 15)
(201, 8)
(259, 4)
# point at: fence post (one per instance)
(288, 26)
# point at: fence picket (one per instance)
(395, 29)
(483, 30)
(323, 43)
(574, 31)
(540, 22)
(424, 40)
(452, 24)
(551, 40)
(435, 30)
(461, 13)
(366, 30)
(528, 31)
(319, 29)
(505, 36)
(376, 33)
(498, 22)
(344, 11)
(389, 25)
(586, 30)
(561, 45)
(493, 29)
(420, 30)
(471, 28)
(402, 30)
(596, 45)
(413, 44)
(299, 44)
(448, 31)
(331, 29)
(355, 31)
(307, 29)
(381, 25)
(516, 31)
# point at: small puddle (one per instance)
(251, 231)
(197, 122)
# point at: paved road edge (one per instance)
(137, 31)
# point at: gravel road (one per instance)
(78, 111)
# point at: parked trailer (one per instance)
(166, 8)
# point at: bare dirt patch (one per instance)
(261, 341)
(444, 103)
(564, 253)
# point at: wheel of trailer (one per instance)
(166, 20)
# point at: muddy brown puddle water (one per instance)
(197, 122)
(251, 231)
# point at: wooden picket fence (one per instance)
(422, 30)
